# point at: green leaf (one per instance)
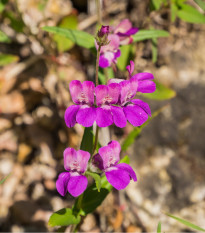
(137, 130)
(161, 93)
(15, 22)
(201, 4)
(190, 14)
(159, 227)
(174, 10)
(125, 159)
(2, 181)
(122, 61)
(157, 4)
(186, 223)
(2, 5)
(6, 59)
(63, 217)
(80, 38)
(149, 34)
(105, 74)
(87, 141)
(63, 43)
(4, 38)
(97, 179)
(154, 50)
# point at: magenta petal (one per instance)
(143, 105)
(77, 184)
(82, 159)
(88, 90)
(117, 177)
(110, 154)
(75, 87)
(115, 80)
(70, 115)
(143, 76)
(117, 54)
(70, 158)
(86, 115)
(104, 62)
(135, 114)
(103, 116)
(114, 92)
(128, 169)
(118, 116)
(62, 183)
(101, 92)
(130, 32)
(123, 26)
(146, 86)
(130, 68)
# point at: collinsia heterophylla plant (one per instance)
(105, 105)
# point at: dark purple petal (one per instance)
(143, 105)
(130, 32)
(70, 159)
(103, 116)
(143, 76)
(76, 88)
(104, 62)
(86, 115)
(130, 68)
(117, 177)
(104, 30)
(110, 154)
(62, 183)
(83, 158)
(127, 168)
(88, 91)
(98, 161)
(118, 116)
(135, 114)
(117, 54)
(70, 115)
(146, 86)
(77, 184)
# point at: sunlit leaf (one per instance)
(6, 59)
(63, 217)
(190, 14)
(186, 223)
(159, 227)
(149, 34)
(125, 159)
(201, 3)
(154, 50)
(122, 61)
(80, 38)
(4, 38)
(97, 179)
(2, 5)
(63, 43)
(161, 93)
(87, 140)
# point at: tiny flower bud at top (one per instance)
(103, 31)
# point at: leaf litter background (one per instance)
(169, 154)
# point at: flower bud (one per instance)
(102, 36)
(103, 31)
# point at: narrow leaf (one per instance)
(80, 38)
(186, 223)
(2, 181)
(6, 59)
(159, 227)
(97, 179)
(149, 34)
(122, 61)
(201, 4)
(154, 50)
(87, 141)
(63, 217)
(125, 159)
(161, 93)
(190, 14)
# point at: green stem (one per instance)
(97, 65)
(96, 139)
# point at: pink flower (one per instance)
(75, 162)
(124, 31)
(118, 175)
(109, 53)
(106, 113)
(84, 112)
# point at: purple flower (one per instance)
(106, 113)
(84, 112)
(118, 175)
(144, 80)
(104, 30)
(109, 53)
(75, 162)
(125, 31)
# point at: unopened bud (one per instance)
(102, 36)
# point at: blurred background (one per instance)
(35, 70)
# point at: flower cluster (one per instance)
(120, 35)
(75, 162)
(111, 103)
